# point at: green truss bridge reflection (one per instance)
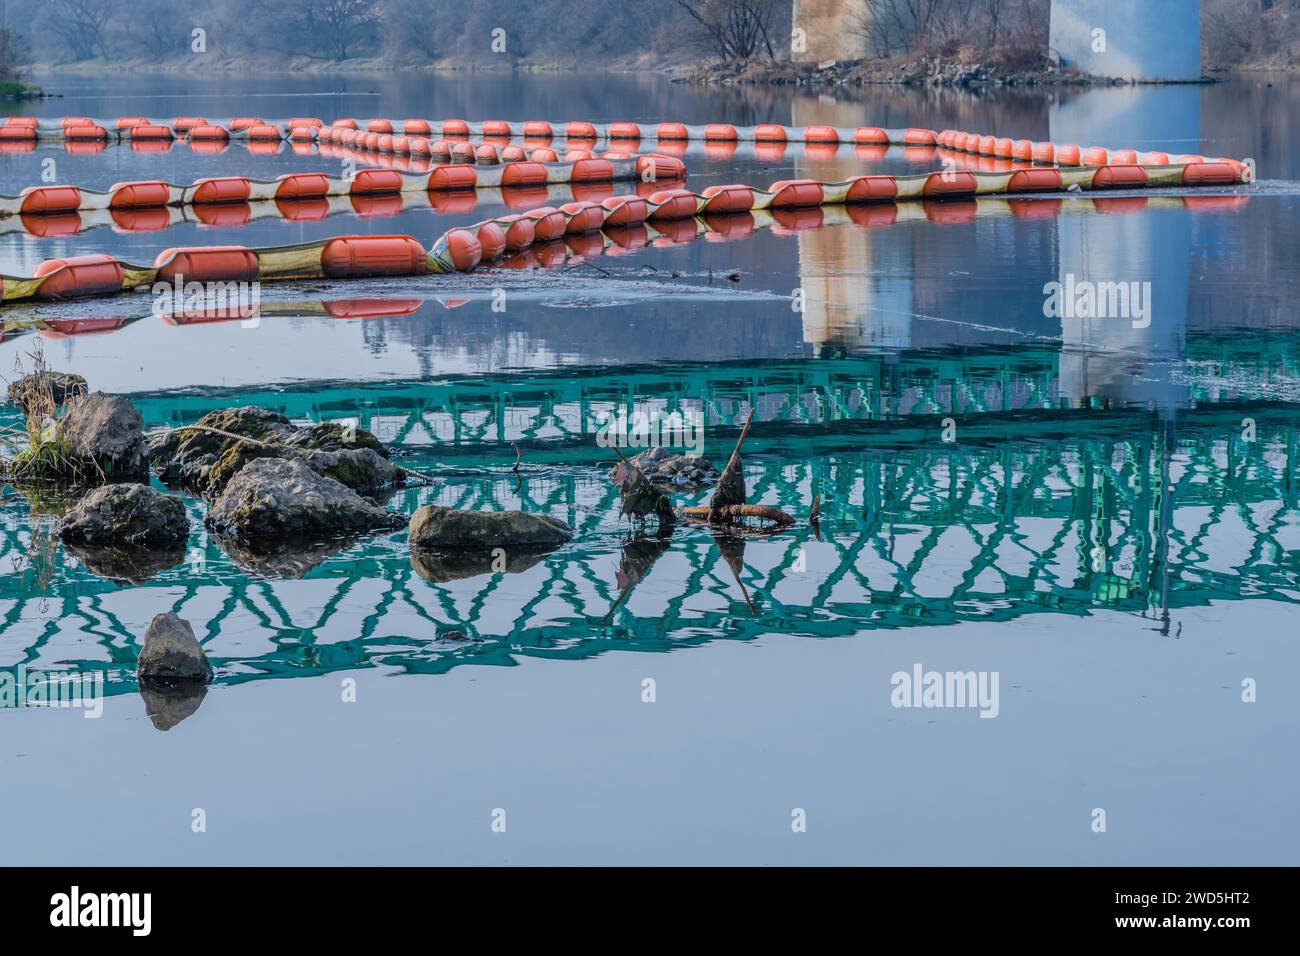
(1045, 503)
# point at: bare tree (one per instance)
(339, 25)
(735, 29)
(82, 25)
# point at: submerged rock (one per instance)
(106, 430)
(169, 701)
(434, 527)
(170, 650)
(206, 461)
(32, 392)
(272, 498)
(133, 514)
(673, 472)
(127, 564)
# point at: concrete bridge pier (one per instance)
(832, 30)
(1133, 39)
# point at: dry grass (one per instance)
(39, 454)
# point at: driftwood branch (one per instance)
(706, 513)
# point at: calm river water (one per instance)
(1107, 526)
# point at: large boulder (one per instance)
(434, 527)
(185, 457)
(206, 461)
(362, 469)
(131, 514)
(170, 650)
(43, 392)
(106, 430)
(273, 498)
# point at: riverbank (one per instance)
(18, 90)
(966, 70)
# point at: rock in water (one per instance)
(132, 514)
(33, 391)
(673, 472)
(186, 457)
(275, 498)
(435, 527)
(170, 650)
(107, 430)
(362, 469)
(206, 461)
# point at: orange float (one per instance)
(150, 131)
(584, 216)
(138, 195)
(820, 134)
(302, 186)
(1034, 180)
(207, 264)
(622, 211)
(520, 233)
(458, 176)
(491, 239)
(358, 256)
(95, 274)
(725, 199)
(789, 193)
(592, 170)
(949, 183)
(88, 132)
(548, 223)
(42, 200)
(524, 174)
(673, 204)
(221, 189)
(369, 181)
(872, 189)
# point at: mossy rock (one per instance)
(331, 436)
(237, 454)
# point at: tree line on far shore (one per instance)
(563, 33)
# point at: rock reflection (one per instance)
(169, 701)
(125, 564)
(439, 567)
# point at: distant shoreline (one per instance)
(958, 72)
